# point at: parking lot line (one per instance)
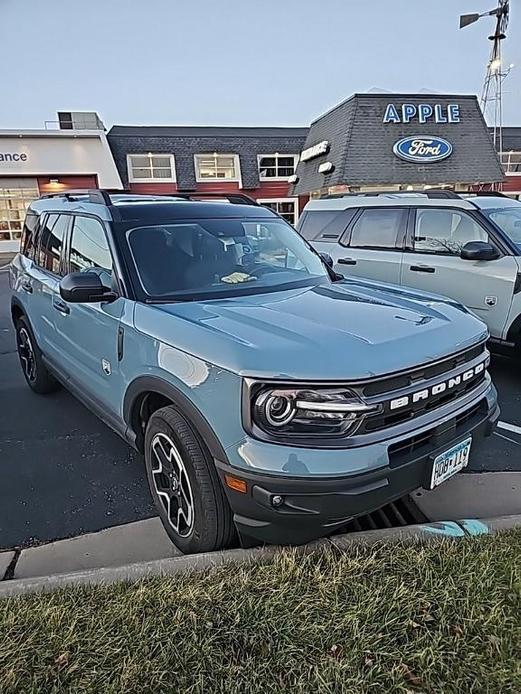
(509, 427)
(507, 438)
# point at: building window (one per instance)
(145, 168)
(277, 166)
(223, 167)
(286, 207)
(13, 205)
(511, 162)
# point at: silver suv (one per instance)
(467, 248)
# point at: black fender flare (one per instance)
(155, 384)
(514, 332)
(17, 304)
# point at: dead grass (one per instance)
(439, 619)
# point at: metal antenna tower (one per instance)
(491, 95)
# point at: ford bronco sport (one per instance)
(268, 394)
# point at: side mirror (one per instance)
(85, 288)
(479, 250)
(327, 259)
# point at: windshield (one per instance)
(508, 219)
(212, 258)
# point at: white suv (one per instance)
(467, 248)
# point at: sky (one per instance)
(237, 62)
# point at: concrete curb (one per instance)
(428, 532)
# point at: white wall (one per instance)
(59, 153)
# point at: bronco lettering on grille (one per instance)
(437, 389)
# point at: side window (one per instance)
(378, 228)
(89, 249)
(445, 231)
(52, 234)
(30, 236)
(325, 225)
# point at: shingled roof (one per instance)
(361, 145)
(186, 141)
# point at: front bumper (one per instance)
(314, 506)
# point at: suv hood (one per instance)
(353, 329)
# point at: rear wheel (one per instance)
(35, 372)
(185, 486)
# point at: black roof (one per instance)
(162, 211)
(206, 131)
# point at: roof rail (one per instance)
(485, 194)
(429, 193)
(102, 197)
(234, 198)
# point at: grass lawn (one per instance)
(435, 619)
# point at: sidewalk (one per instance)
(481, 504)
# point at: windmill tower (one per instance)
(491, 95)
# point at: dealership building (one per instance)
(255, 161)
(35, 162)
(370, 142)
(373, 142)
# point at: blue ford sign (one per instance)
(422, 149)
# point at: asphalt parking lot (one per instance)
(64, 473)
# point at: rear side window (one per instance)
(52, 234)
(378, 228)
(89, 249)
(325, 225)
(30, 236)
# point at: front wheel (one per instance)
(185, 486)
(35, 372)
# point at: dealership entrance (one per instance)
(377, 142)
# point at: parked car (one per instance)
(267, 393)
(468, 248)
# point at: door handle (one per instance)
(346, 261)
(26, 286)
(60, 306)
(422, 268)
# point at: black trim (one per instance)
(313, 507)
(154, 384)
(121, 336)
(90, 401)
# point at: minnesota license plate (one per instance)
(450, 462)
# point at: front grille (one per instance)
(412, 447)
(424, 390)
(423, 373)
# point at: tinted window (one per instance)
(51, 240)
(89, 248)
(445, 231)
(222, 257)
(29, 236)
(377, 228)
(325, 225)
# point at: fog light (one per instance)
(277, 500)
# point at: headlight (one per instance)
(317, 412)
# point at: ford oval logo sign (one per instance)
(424, 149)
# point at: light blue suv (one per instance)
(269, 395)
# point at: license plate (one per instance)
(450, 462)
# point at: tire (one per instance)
(186, 489)
(34, 370)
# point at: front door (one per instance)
(434, 265)
(88, 333)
